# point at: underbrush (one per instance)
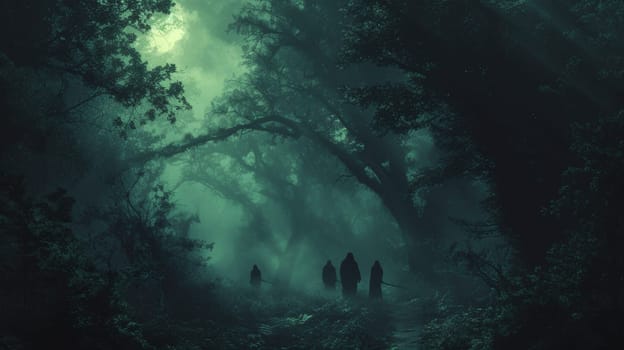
(57, 293)
(298, 321)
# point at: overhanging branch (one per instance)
(271, 124)
(276, 125)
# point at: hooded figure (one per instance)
(255, 277)
(329, 275)
(376, 277)
(349, 276)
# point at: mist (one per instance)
(157, 154)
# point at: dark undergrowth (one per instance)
(275, 320)
(151, 291)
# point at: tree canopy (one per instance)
(93, 41)
(472, 147)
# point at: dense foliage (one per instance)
(94, 42)
(513, 108)
(533, 91)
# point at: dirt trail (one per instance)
(407, 329)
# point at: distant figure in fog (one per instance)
(349, 276)
(255, 277)
(329, 275)
(376, 277)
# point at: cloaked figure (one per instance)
(255, 277)
(376, 277)
(329, 275)
(349, 276)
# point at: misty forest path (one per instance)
(406, 329)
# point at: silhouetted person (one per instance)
(255, 277)
(349, 276)
(329, 275)
(376, 277)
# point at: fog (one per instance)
(335, 214)
(153, 152)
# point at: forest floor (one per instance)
(277, 320)
(406, 329)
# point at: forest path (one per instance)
(407, 329)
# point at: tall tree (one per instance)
(513, 77)
(294, 88)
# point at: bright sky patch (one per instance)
(168, 31)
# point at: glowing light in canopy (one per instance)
(168, 31)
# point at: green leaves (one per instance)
(94, 40)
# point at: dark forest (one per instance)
(312, 174)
